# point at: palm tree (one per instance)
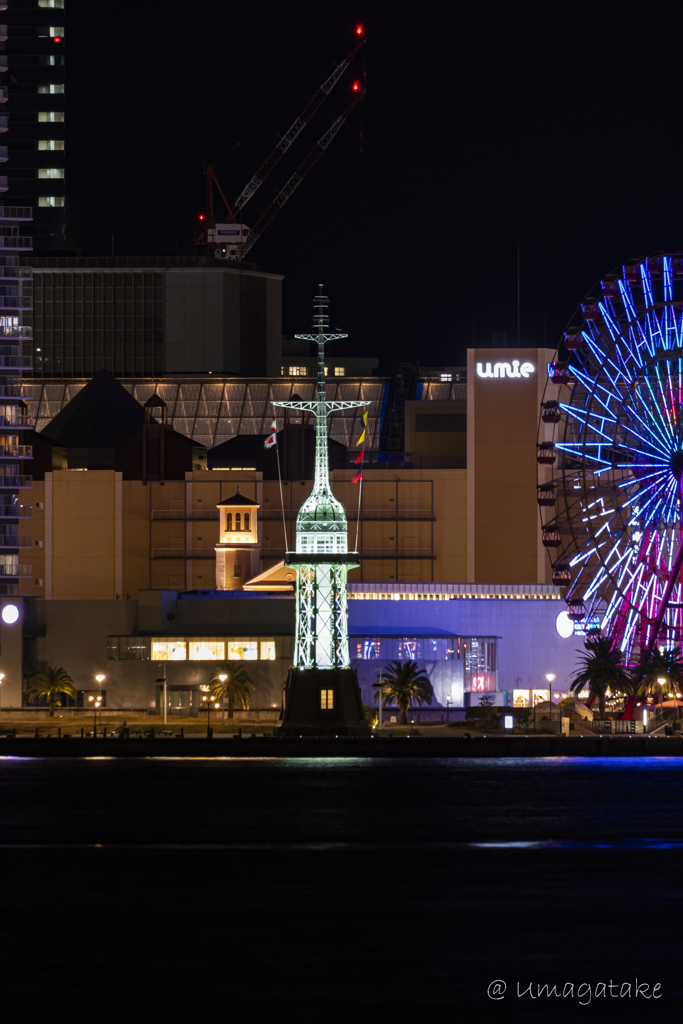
(404, 682)
(49, 684)
(659, 669)
(235, 685)
(602, 669)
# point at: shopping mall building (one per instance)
(119, 567)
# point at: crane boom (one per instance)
(300, 173)
(294, 130)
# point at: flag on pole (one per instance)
(361, 443)
(271, 441)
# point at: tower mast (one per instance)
(321, 687)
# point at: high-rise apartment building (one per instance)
(14, 416)
(33, 45)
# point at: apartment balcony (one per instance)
(16, 511)
(4, 121)
(3, 28)
(17, 540)
(4, 91)
(18, 243)
(24, 333)
(4, 185)
(4, 152)
(16, 570)
(17, 422)
(15, 362)
(21, 480)
(402, 552)
(16, 273)
(180, 553)
(20, 451)
(14, 391)
(15, 212)
(179, 514)
(3, 63)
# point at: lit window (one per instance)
(51, 90)
(50, 200)
(326, 700)
(339, 371)
(51, 144)
(539, 695)
(207, 650)
(297, 371)
(51, 115)
(238, 520)
(50, 3)
(242, 650)
(446, 376)
(326, 371)
(228, 521)
(267, 650)
(51, 172)
(169, 650)
(55, 31)
(520, 698)
(246, 520)
(237, 571)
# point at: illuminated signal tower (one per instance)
(322, 692)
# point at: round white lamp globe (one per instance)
(564, 625)
(10, 614)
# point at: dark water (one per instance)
(307, 890)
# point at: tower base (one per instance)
(323, 702)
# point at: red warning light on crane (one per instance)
(359, 30)
(201, 216)
(356, 86)
(58, 39)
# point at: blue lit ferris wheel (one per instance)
(610, 454)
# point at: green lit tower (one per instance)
(322, 693)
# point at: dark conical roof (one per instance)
(238, 499)
(101, 415)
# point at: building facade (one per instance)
(147, 317)
(35, 46)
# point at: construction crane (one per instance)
(230, 239)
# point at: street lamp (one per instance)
(448, 708)
(208, 717)
(100, 680)
(222, 678)
(550, 676)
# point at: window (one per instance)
(327, 700)
(50, 3)
(246, 520)
(50, 144)
(228, 521)
(481, 670)
(127, 648)
(169, 650)
(267, 650)
(53, 31)
(446, 376)
(237, 571)
(51, 115)
(51, 90)
(340, 371)
(242, 650)
(51, 172)
(50, 200)
(297, 371)
(238, 521)
(207, 650)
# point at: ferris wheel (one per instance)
(610, 455)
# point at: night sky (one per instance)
(555, 128)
